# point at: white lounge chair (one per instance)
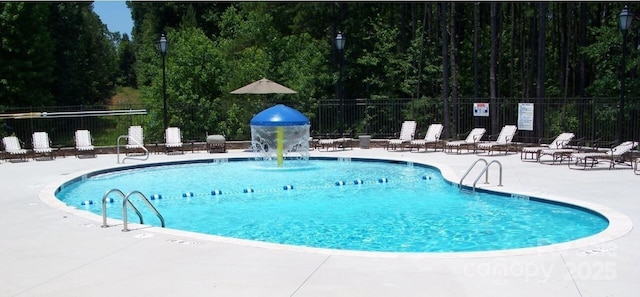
(42, 146)
(431, 139)
(173, 140)
(469, 143)
(84, 143)
(503, 141)
(135, 141)
(556, 147)
(615, 156)
(407, 131)
(13, 148)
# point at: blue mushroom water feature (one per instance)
(278, 131)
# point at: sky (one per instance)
(115, 14)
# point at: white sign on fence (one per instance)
(481, 109)
(525, 116)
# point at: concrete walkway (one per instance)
(49, 249)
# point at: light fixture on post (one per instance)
(340, 40)
(163, 47)
(625, 17)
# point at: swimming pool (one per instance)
(345, 204)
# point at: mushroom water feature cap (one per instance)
(281, 130)
(279, 115)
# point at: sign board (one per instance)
(525, 116)
(481, 109)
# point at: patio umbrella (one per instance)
(264, 86)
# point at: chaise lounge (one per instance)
(554, 148)
(173, 140)
(42, 146)
(84, 144)
(431, 139)
(407, 131)
(469, 143)
(13, 148)
(502, 142)
(619, 155)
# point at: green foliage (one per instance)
(27, 68)
(59, 53)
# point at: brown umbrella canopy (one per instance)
(264, 86)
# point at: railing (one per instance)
(591, 118)
(126, 202)
(104, 206)
(146, 152)
(485, 171)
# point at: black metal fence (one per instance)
(591, 118)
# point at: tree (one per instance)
(86, 66)
(27, 68)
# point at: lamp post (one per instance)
(625, 17)
(340, 40)
(163, 46)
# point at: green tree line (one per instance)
(433, 52)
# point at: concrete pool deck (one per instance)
(49, 249)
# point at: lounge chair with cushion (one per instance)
(335, 143)
(407, 131)
(503, 141)
(84, 144)
(469, 143)
(619, 155)
(431, 139)
(559, 143)
(42, 146)
(13, 148)
(173, 140)
(135, 141)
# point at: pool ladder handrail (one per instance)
(146, 151)
(125, 202)
(484, 171)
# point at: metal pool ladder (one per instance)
(484, 171)
(126, 202)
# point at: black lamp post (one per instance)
(163, 46)
(626, 17)
(340, 40)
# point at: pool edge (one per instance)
(619, 224)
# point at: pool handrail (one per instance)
(146, 152)
(126, 202)
(484, 171)
(469, 170)
(104, 206)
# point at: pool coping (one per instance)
(619, 224)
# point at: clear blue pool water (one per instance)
(344, 204)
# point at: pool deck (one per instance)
(49, 249)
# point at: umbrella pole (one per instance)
(280, 144)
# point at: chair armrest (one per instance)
(546, 140)
(598, 144)
(492, 137)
